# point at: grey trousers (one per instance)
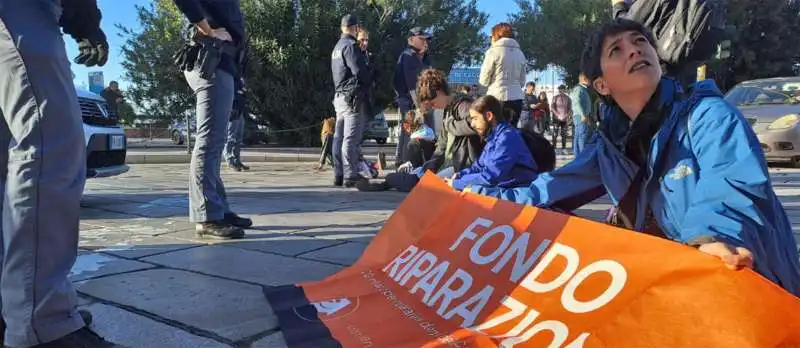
(42, 173)
(233, 147)
(347, 138)
(207, 199)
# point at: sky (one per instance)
(124, 13)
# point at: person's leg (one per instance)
(402, 140)
(446, 173)
(563, 127)
(237, 151)
(229, 151)
(351, 146)
(338, 140)
(45, 172)
(214, 103)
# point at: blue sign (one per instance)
(96, 83)
(464, 76)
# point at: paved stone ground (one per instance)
(150, 283)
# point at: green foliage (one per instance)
(289, 75)
(126, 114)
(157, 88)
(553, 32)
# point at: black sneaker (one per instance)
(244, 167)
(338, 181)
(86, 316)
(218, 230)
(237, 221)
(234, 167)
(83, 338)
(367, 186)
(354, 182)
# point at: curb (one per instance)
(172, 158)
(143, 158)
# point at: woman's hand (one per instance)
(733, 257)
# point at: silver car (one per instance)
(772, 107)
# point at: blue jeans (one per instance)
(207, 198)
(42, 175)
(347, 138)
(233, 147)
(582, 134)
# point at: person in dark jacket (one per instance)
(680, 165)
(505, 160)
(113, 96)
(208, 204)
(529, 102)
(410, 64)
(351, 80)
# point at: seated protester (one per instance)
(458, 145)
(505, 160)
(702, 180)
(422, 141)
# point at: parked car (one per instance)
(377, 129)
(772, 107)
(106, 144)
(254, 133)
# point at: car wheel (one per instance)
(381, 141)
(177, 139)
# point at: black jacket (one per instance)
(409, 65)
(467, 144)
(349, 67)
(219, 14)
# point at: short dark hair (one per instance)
(488, 103)
(592, 51)
(430, 82)
(530, 83)
(560, 87)
(113, 83)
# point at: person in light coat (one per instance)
(503, 71)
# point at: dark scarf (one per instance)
(635, 145)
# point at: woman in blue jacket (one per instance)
(684, 166)
(505, 160)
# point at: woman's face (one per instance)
(629, 63)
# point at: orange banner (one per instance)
(459, 270)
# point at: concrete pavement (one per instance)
(150, 283)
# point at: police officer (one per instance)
(410, 64)
(215, 56)
(43, 170)
(351, 79)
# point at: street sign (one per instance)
(464, 76)
(96, 83)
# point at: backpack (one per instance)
(686, 31)
(541, 149)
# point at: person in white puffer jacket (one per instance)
(503, 71)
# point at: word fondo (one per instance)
(445, 287)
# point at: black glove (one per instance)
(93, 51)
(81, 20)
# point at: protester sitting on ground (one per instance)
(685, 166)
(326, 136)
(505, 160)
(422, 141)
(458, 145)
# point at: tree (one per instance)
(289, 75)
(553, 32)
(157, 88)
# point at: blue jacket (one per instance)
(504, 162)
(707, 177)
(581, 106)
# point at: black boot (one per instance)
(237, 221)
(354, 182)
(218, 230)
(234, 167)
(83, 338)
(243, 167)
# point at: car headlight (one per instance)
(785, 122)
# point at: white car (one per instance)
(106, 145)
